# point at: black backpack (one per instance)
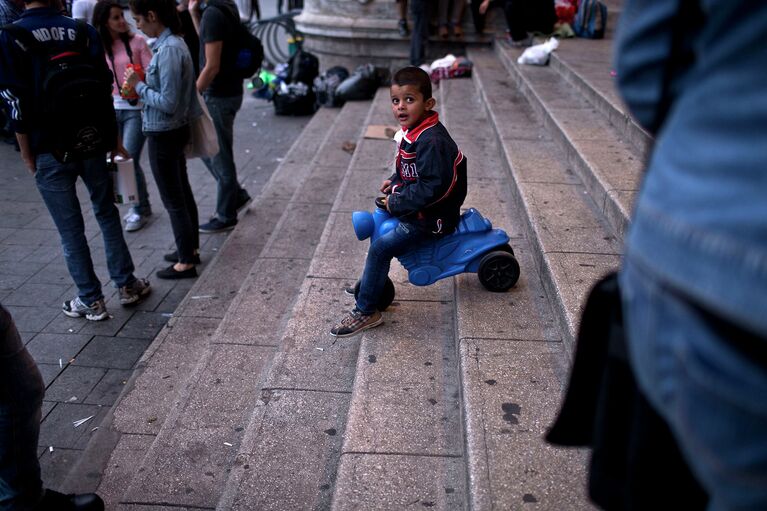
(75, 99)
(303, 67)
(250, 51)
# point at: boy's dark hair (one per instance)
(165, 10)
(412, 75)
(101, 13)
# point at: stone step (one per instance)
(608, 165)
(572, 243)
(189, 461)
(164, 369)
(405, 437)
(290, 449)
(512, 359)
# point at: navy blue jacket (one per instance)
(20, 71)
(429, 185)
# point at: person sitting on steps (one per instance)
(425, 192)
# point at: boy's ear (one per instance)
(430, 103)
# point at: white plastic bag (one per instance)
(203, 140)
(124, 180)
(538, 55)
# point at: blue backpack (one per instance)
(591, 19)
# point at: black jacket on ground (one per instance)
(429, 185)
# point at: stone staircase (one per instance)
(245, 402)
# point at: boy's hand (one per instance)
(386, 186)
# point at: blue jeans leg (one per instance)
(21, 397)
(56, 182)
(97, 179)
(399, 241)
(129, 124)
(708, 379)
(222, 111)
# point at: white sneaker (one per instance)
(134, 221)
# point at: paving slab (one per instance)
(52, 348)
(512, 392)
(267, 296)
(405, 397)
(299, 364)
(382, 482)
(289, 464)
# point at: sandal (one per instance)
(443, 33)
(457, 31)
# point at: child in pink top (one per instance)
(122, 47)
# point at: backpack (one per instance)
(294, 99)
(250, 51)
(76, 97)
(326, 84)
(591, 19)
(303, 67)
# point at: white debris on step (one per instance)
(80, 422)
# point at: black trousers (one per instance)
(522, 16)
(420, 10)
(166, 157)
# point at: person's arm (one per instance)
(643, 48)
(16, 94)
(436, 174)
(212, 64)
(168, 96)
(194, 10)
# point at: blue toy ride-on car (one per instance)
(474, 247)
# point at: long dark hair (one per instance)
(101, 13)
(165, 10)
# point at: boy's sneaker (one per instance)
(216, 225)
(355, 322)
(132, 293)
(75, 308)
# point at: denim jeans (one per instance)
(56, 182)
(166, 157)
(129, 124)
(401, 240)
(708, 379)
(230, 193)
(419, 38)
(21, 398)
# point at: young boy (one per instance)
(425, 192)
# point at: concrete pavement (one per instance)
(85, 364)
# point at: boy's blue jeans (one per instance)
(708, 379)
(401, 240)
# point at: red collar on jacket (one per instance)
(412, 134)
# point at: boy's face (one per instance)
(408, 105)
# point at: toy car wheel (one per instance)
(498, 271)
(506, 248)
(387, 297)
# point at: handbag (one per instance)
(203, 139)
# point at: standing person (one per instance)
(10, 11)
(21, 399)
(450, 16)
(40, 135)
(419, 39)
(523, 17)
(170, 104)
(694, 276)
(402, 27)
(217, 22)
(190, 34)
(122, 47)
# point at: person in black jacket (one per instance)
(425, 192)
